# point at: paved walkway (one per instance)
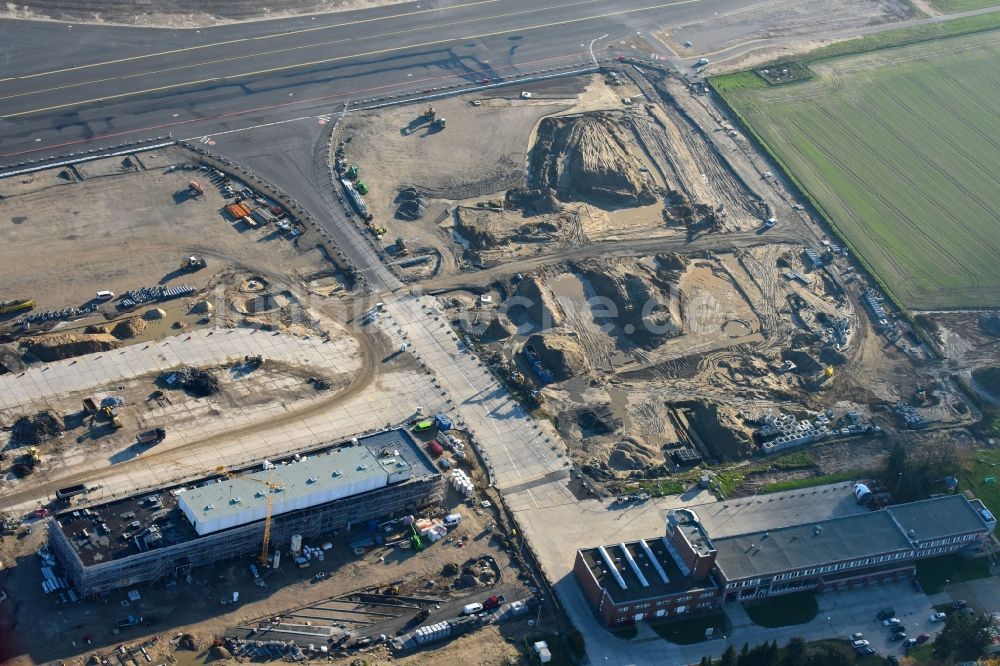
(204, 347)
(519, 451)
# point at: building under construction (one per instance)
(165, 532)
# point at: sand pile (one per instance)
(499, 328)
(128, 328)
(644, 315)
(586, 158)
(632, 453)
(541, 201)
(561, 354)
(67, 345)
(486, 228)
(534, 305)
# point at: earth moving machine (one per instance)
(195, 189)
(16, 305)
(193, 263)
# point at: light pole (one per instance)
(592, 56)
(899, 480)
(945, 590)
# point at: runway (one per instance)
(89, 86)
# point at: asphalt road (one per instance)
(63, 88)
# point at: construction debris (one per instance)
(36, 429)
(199, 383)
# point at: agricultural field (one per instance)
(896, 147)
(950, 6)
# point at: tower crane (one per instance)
(269, 496)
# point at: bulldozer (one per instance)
(193, 263)
(430, 113)
(109, 414)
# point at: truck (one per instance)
(70, 491)
(494, 602)
(129, 621)
(150, 437)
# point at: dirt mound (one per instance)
(988, 379)
(67, 345)
(413, 209)
(533, 202)
(153, 314)
(585, 157)
(561, 354)
(201, 307)
(644, 315)
(36, 429)
(534, 305)
(670, 263)
(128, 328)
(804, 361)
(714, 426)
(500, 328)
(219, 652)
(487, 228)
(631, 454)
(990, 324)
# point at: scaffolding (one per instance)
(108, 571)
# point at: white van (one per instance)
(472, 609)
(452, 519)
(105, 295)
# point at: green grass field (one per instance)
(898, 148)
(951, 6)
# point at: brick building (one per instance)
(686, 570)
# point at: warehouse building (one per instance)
(165, 532)
(838, 553)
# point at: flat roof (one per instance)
(634, 590)
(938, 517)
(167, 522)
(810, 545)
(852, 537)
(297, 484)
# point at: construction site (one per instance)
(220, 440)
(742, 330)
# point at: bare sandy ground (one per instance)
(179, 13)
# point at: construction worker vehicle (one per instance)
(150, 437)
(193, 263)
(16, 305)
(195, 189)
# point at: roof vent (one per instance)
(362, 467)
(336, 473)
(817, 529)
(259, 493)
(312, 479)
(209, 507)
(235, 500)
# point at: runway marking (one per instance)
(269, 107)
(250, 39)
(326, 61)
(294, 48)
